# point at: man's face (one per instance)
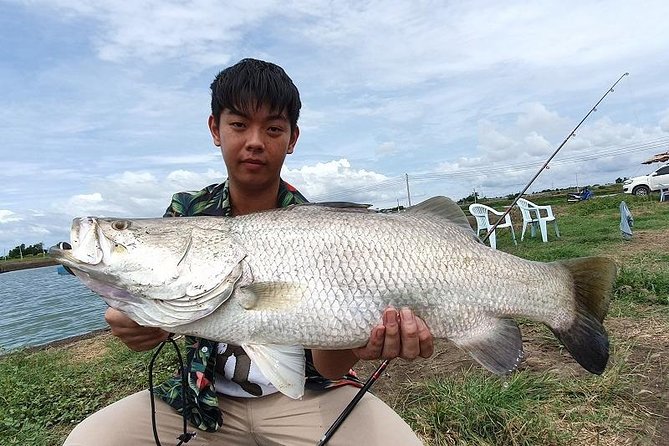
(253, 145)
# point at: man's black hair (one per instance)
(254, 83)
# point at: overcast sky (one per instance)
(104, 103)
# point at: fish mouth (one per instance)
(63, 256)
(59, 252)
(88, 245)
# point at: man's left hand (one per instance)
(402, 334)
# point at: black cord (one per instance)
(186, 436)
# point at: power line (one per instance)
(569, 159)
(396, 186)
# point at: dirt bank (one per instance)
(12, 265)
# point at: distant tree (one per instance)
(22, 249)
(34, 250)
(470, 198)
(391, 210)
(17, 251)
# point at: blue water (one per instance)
(38, 306)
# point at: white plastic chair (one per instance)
(481, 211)
(532, 215)
(664, 192)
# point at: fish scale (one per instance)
(391, 276)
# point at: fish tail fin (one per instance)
(584, 336)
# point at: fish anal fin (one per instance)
(267, 296)
(282, 365)
(497, 345)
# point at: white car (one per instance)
(644, 184)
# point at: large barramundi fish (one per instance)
(320, 276)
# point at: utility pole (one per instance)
(406, 175)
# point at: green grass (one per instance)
(637, 284)
(527, 408)
(26, 258)
(478, 408)
(43, 394)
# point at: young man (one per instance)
(255, 107)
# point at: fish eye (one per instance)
(120, 225)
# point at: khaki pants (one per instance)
(266, 421)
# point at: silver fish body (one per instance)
(320, 277)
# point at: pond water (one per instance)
(38, 306)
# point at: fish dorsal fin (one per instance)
(341, 204)
(283, 365)
(442, 207)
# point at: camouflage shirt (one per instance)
(201, 354)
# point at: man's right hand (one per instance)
(132, 334)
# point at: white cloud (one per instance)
(338, 181)
(7, 216)
(536, 144)
(86, 199)
(181, 160)
(181, 180)
(664, 121)
(156, 30)
(387, 148)
(88, 204)
(138, 193)
(536, 116)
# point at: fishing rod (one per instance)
(571, 135)
(358, 396)
(379, 370)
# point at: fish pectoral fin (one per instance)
(497, 345)
(270, 295)
(282, 365)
